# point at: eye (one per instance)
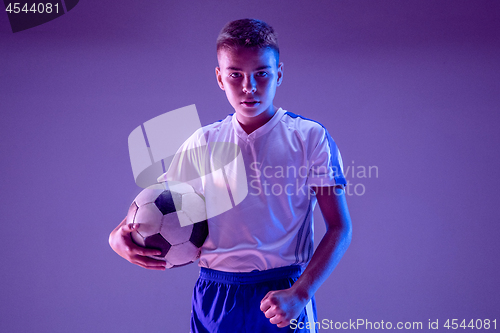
(262, 74)
(234, 75)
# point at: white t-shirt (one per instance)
(257, 189)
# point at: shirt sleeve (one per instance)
(326, 168)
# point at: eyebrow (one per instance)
(257, 69)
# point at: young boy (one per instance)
(252, 276)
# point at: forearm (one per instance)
(324, 260)
(281, 306)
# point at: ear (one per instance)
(218, 75)
(280, 74)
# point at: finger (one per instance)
(149, 260)
(133, 249)
(156, 268)
(280, 320)
(142, 251)
(264, 305)
(128, 228)
(149, 263)
(270, 313)
(276, 319)
(271, 298)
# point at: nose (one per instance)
(249, 85)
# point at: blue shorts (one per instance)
(225, 302)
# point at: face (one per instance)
(250, 77)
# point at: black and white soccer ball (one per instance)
(172, 219)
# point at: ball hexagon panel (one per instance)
(182, 253)
(149, 194)
(199, 234)
(169, 202)
(184, 220)
(132, 211)
(157, 241)
(195, 207)
(172, 230)
(137, 238)
(149, 219)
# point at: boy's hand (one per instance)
(281, 306)
(121, 242)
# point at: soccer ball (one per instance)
(173, 219)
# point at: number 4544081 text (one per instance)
(34, 8)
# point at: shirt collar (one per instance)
(259, 131)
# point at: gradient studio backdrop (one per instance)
(411, 87)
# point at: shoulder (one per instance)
(306, 128)
(209, 131)
(222, 125)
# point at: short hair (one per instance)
(249, 33)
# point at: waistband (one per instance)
(293, 271)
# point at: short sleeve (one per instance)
(326, 168)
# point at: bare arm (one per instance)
(284, 305)
(121, 242)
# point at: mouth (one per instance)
(250, 103)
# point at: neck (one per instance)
(250, 124)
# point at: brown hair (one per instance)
(248, 33)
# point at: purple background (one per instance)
(411, 87)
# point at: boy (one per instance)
(252, 277)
